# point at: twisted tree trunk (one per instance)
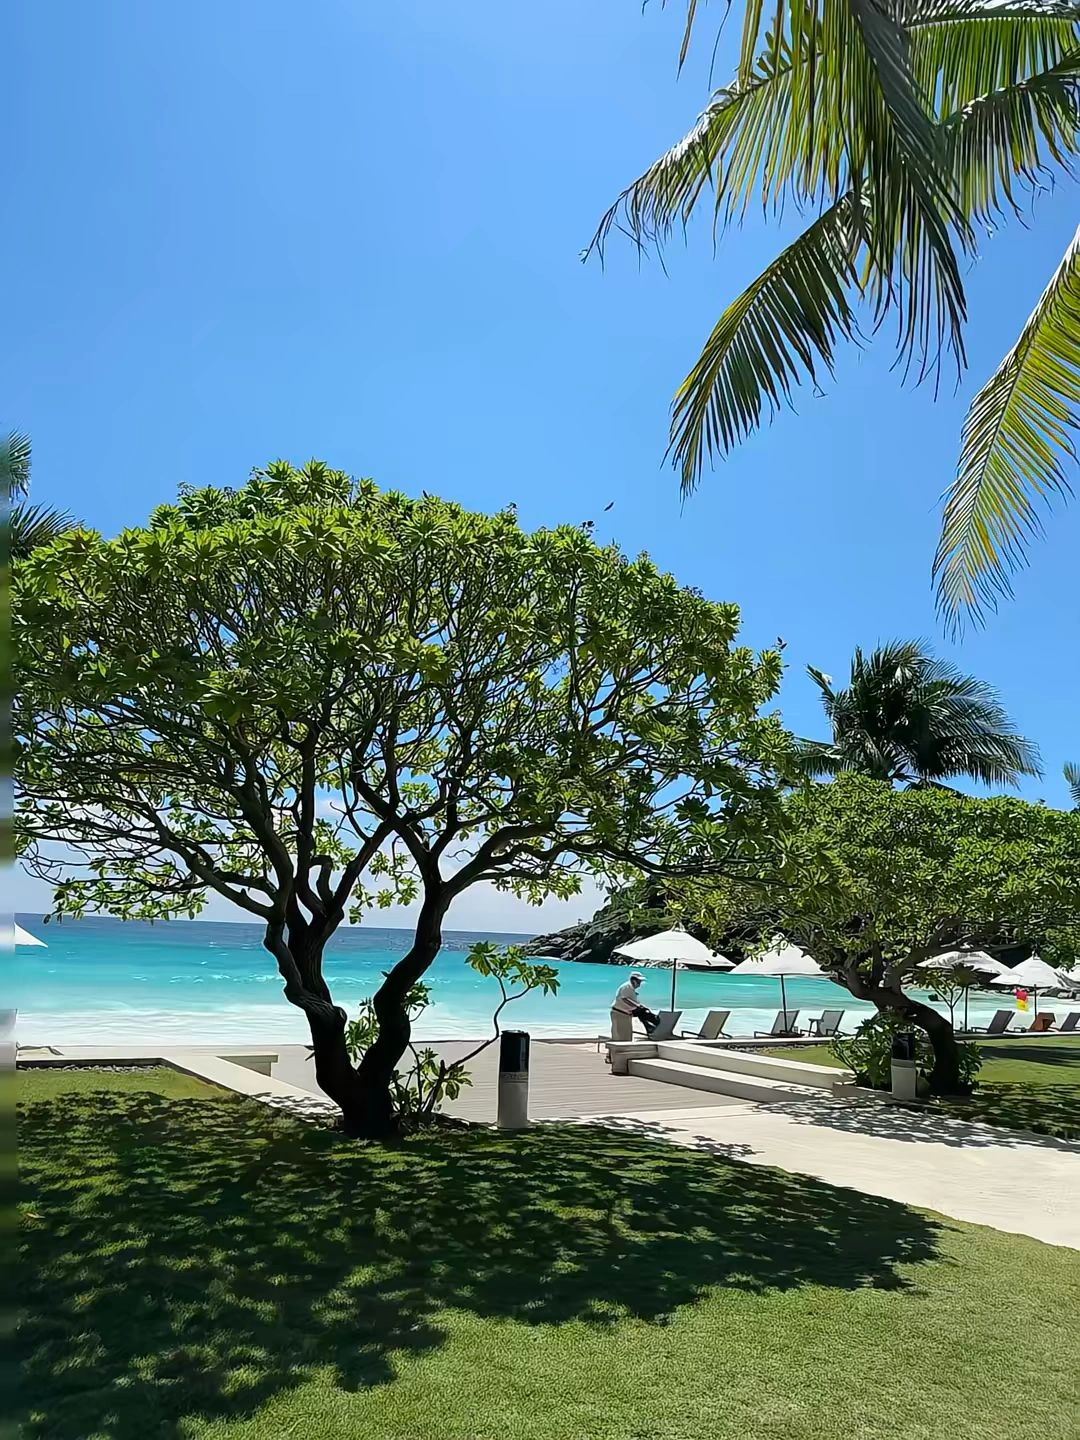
(362, 1114)
(377, 1067)
(944, 1078)
(361, 1092)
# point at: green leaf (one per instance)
(783, 327)
(1017, 436)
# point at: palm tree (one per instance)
(910, 718)
(29, 526)
(1072, 779)
(898, 128)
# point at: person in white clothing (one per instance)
(624, 1008)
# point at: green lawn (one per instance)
(1024, 1084)
(203, 1269)
(46, 1083)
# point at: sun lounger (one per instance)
(828, 1025)
(998, 1025)
(664, 1029)
(1069, 1024)
(1043, 1022)
(712, 1029)
(784, 1024)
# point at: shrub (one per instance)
(869, 1052)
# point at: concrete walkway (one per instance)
(1011, 1180)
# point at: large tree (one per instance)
(907, 717)
(871, 881)
(898, 129)
(307, 696)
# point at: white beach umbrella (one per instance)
(23, 937)
(675, 947)
(977, 960)
(973, 960)
(781, 960)
(1033, 975)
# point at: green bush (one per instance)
(869, 1052)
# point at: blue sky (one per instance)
(253, 230)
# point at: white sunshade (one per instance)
(23, 937)
(674, 947)
(965, 959)
(780, 959)
(1033, 974)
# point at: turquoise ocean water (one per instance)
(103, 981)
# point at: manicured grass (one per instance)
(46, 1084)
(1024, 1084)
(208, 1270)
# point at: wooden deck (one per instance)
(566, 1080)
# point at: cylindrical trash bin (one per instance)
(513, 1080)
(905, 1075)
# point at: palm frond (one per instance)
(1072, 779)
(739, 128)
(1010, 134)
(852, 60)
(15, 452)
(824, 684)
(817, 759)
(1016, 438)
(962, 50)
(783, 327)
(32, 526)
(754, 142)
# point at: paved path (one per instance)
(565, 1080)
(1011, 1180)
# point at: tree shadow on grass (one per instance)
(1052, 1110)
(189, 1260)
(1044, 1051)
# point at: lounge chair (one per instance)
(664, 1029)
(828, 1025)
(998, 1025)
(1069, 1024)
(784, 1024)
(1043, 1022)
(712, 1029)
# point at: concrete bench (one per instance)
(621, 1052)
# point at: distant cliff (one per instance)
(639, 910)
(626, 916)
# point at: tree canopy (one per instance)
(908, 717)
(871, 881)
(309, 696)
